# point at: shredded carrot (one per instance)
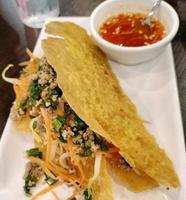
(74, 158)
(65, 176)
(46, 190)
(60, 169)
(55, 195)
(32, 67)
(60, 108)
(44, 165)
(54, 168)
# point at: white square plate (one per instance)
(152, 87)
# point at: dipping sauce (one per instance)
(129, 30)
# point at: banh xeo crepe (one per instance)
(93, 92)
(81, 122)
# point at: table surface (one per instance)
(15, 38)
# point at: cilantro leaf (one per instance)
(87, 152)
(34, 90)
(30, 181)
(87, 195)
(34, 152)
(58, 123)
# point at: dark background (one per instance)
(15, 37)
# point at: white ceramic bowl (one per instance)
(133, 55)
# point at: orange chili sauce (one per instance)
(128, 30)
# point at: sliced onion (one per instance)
(9, 80)
(53, 149)
(61, 151)
(97, 165)
(36, 137)
(62, 160)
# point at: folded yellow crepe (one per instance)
(93, 92)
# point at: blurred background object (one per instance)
(33, 12)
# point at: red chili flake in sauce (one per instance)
(128, 30)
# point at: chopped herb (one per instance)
(31, 101)
(76, 139)
(51, 92)
(48, 102)
(34, 152)
(59, 91)
(34, 90)
(87, 195)
(56, 91)
(30, 181)
(49, 180)
(23, 104)
(59, 123)
(54, 104)
(67, 108)
(87, 152)
(97, 139)
(40, 67)
(104, 147)
(88, 143)
(61, 138)
(80, 124)
(34, 125)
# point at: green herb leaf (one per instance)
(87, 152)
(76, 139)
(80, 124)
(34, 90)
(59, 123)
(87, 195)
(31, 101)
(34, 125)
(97, 139)
(54, 104)
(23, 104)
(88, 143)
(61, 138)
(50, 180)
(34, 152)
(52, 92)
(30, 181)
(104, 147)
(57, 91)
